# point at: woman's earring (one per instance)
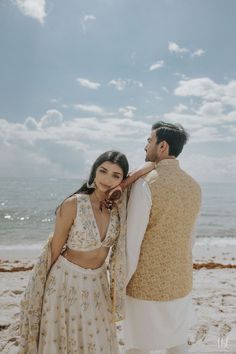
(92, 185)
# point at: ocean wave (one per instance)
(24, 247)
(215, 241)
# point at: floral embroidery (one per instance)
(84, 234)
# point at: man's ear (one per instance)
(163, 146)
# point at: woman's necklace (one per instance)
(101, 202)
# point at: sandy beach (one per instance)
(214, 299)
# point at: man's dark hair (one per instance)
(174, 134)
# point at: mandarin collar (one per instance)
(168, 162)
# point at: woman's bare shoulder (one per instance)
(68, 206)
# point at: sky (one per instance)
(78, 78)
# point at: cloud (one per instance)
(175, 48)
(89, 84)
(180, 108)
(158, 65)
(165, 89)
(51, 118)
(66, 148)
(198, 53)
(33, 8)
(31, 123)
(209, 168)
(118, 84)
(89, 17)
(54, 100)
(19, 161)
(85, 19)
(208, 90)
(52, 146)
(121, 84)
(128, 111)
(135, 82)
(89, 108)
(182, 76)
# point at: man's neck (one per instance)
(166, 158)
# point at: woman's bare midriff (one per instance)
(87, 259)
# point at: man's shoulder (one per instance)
(151, 177)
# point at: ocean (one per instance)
(27, 209)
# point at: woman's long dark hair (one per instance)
(111, 156)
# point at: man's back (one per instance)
(164, 269)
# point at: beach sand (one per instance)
(214, 299)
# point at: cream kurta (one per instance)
(150, 325)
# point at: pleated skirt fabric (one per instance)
(77, 312)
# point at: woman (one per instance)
(76, 314)
(67, 306)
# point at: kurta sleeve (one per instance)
(138, 212)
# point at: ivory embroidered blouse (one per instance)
(80, 239)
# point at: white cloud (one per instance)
(54, 100)
(33, 8)
(54, 149)
(209, 168)
(85, 19)
(182, 76)
(180, 108)
(175, 48)
(198, 53)
(138, 83)
(31, 123)
(211, 109)
(158, 65)
(89, 108)
(87, 83)
(121, 84)
(118, 84)
(165, 89)
(128, 111)
(208, 90)
(19, 161)
(51, 118)
(27, 149)
(89, 17)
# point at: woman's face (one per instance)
(108, 175)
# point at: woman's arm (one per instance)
(65, 217)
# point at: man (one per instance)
(162, 211)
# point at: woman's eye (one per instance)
(102, 171)
(117, 177)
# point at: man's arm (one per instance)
(139, 207)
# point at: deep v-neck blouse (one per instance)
(84, 234)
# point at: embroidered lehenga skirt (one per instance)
(77, 314)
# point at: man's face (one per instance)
(152, 148)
